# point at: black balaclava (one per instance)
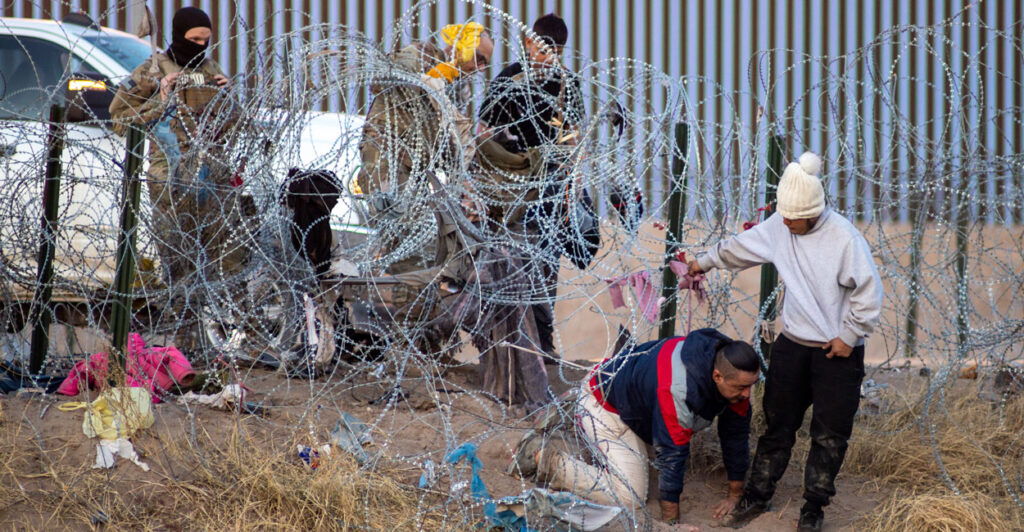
(183, 51)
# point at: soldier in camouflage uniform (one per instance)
(404, 137)
(415, 127)
(178, 96)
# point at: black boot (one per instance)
(746, 510)
(811, 518)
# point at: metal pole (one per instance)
(769, 275)
(916, 200)
(40, 314)
(676, 206)
(962, 302)
(125, 277)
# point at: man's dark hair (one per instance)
(551, 29)
(733, 356)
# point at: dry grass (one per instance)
(235, 480)
(974, 439)
(894, 454)
(940, 513)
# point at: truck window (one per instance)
(31, 71)
(129, 52)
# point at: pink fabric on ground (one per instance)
(156, 369)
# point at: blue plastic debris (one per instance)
(566, 507)
(350, 434)
(310, 456)
(429, 476)
(168, 141)
(510, 513)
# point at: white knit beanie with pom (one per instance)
(800, 194)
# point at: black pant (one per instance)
(799, 376)
(542, 223)
(544, 264)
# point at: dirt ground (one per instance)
(434, 415)
(408, 432)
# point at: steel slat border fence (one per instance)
(716, 40)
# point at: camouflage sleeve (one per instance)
(228, 109)
(378, 151)
(396, 127)
(215, 69)
(137, 100)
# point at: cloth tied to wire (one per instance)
(693, 283)
(646, 292)
(467, 452)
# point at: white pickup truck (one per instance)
(38, 61)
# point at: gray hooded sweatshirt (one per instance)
(832, 286)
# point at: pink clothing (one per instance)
(615, 291)
(645, 292)
(156, 369)
(695, 283)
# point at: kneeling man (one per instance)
(657, 393)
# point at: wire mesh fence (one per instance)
(401, 262)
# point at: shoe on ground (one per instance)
(524, 458)
(746, 510)
(555, 414)
(810, 521)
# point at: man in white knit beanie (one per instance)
(832, 303)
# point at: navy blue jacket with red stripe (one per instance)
(664, 392)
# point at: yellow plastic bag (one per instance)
(116, 413)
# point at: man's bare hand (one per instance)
(693, 268)
(221, 81)
(167, 83)
(837, 348)
(723, 507)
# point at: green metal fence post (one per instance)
(769, 275)
(915, 204)
(125, 277)
(676, 206)
(40, 314)
(962, 294)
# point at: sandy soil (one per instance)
(415, 428)
(410, 431)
